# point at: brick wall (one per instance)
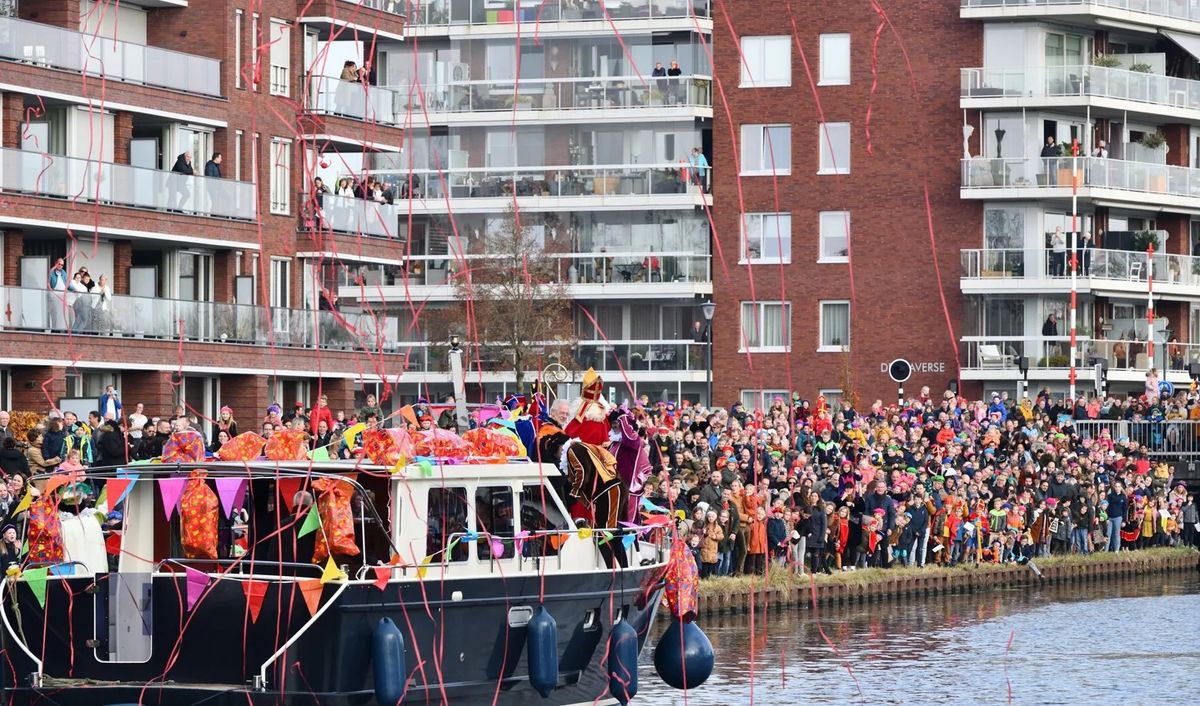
(247, 395)
(153, 388)
(60, 13)
(122, 135)
(37, 388)
(13, 117)
(14, 247)
(122, 261)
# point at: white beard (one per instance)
(593, 410)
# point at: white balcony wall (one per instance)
(90, 134)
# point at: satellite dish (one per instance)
(900, 370)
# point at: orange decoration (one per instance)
(255, 591)
(337, 520)
(198, 510)
(491, 444)
(243, 447)
(311, 590)
(385, 447)
(45, 532)
(440, 443)
(287, 445)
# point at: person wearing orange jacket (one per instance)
(756, 545)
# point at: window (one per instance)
(447, 521)
(762, 399)
(281, 58)
(835, 60)
(238, 16)
(237, 155)
(493, 516)
(766, 61)
(835, 236)
(281, 282)
(767, 237)
(540, 514)
(835, 148)
(766, 149)
(835, 326)
(255, 43)
(766, 326)
(254, 142)
(833, 397)
(281, 173)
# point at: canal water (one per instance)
(1136, 641)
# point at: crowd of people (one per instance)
(800, 485)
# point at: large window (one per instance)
(834, 139)
(281, 58)
(766, 149)
(767, 237)
(238, 16)
(766, 326)
(835, 59)
(835, 326)
(835, 236)
(763, 399)
(281, 282)
(281, 175)
(766, 61)
(540, 514)
(447, 513)
(493, 518)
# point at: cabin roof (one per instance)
(522, 469)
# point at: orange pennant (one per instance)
(383, 574)
(557, 540)
(116, 487)
(409, 415)
(288, 487)
(311, 589)
(255, 591)
(56, 481)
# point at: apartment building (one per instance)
(212, 302)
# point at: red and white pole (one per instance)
(1074, 257)
(1150, 305)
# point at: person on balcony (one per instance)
(1086, 246)
(1049, 163)
(179, 186)
(1058, 252)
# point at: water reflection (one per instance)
(1092, 644)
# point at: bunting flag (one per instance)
(519, 541)
(426, 468)
(312, 522)
(409, 415)
(36, 578)
(23, 505)
(607, 538)
(56, 481)
(628, 541)
(197, 581)
(557, 540)
(424, 567)
(311, 590)
(124, 474)
(383, 574)
(116, 488)
(231, 491)
(497, 548)
(171, 490)
(112, 544)
(255, 591)
(349, 434)
(321, 453)
(288, 487)
(585, 532)
(400, 464)
(331, 572)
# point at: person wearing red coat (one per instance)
(589, 418)
(319, 412)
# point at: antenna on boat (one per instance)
(460, 387)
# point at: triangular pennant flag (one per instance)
(400, 464)
(426, 468)
(407, 413)
(112, 544)
(557, 540)
(116, 488)
(230, 490)
(255, 591)
(424, 567)
(331, 572)
(519, 541)
(607, 538)
(585, 532)
(23, 505)
(36, 578)
(312, 522)
(288, 487)
(311, 590)
(383, 574)
(628, 540)
(171, 490)
(321, 453)
(497, 548)
(349, 434)
(124, 474)
(197, 581)
(55, 482)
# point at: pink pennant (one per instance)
(171, 490)
(197, 581)
(497, 548)
(231, 491)
(519, 541)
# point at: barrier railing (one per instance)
(432, 13)
(1083, 81)
(1174, 9)
(1175, 439)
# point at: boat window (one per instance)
(447, 521)
(493, 516)
(539, 513)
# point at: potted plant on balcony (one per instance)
(1106, 81)
(1139, 86)
(1143, 239)
(1066, 167)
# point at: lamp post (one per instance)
(708, 308)
(460, 387)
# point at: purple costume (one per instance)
(633, 463)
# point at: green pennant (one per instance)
(312, 522)
(607, 538)
(25, 548)
(321, 453)
(426, 468)
(36, 578)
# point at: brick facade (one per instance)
(905, 157)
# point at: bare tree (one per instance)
(515, 306)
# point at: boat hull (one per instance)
(464, 641)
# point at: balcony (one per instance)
(1051, 177)
(997, 357)
(349, 215)
(444, 14)
(173, 320)
(1154, 94)
(601, 275)
(81, 180)
(1171, 14)
(56, 48)
(1105, 272)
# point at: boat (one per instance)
(453, 565)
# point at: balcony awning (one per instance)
(1190, 43)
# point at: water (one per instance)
(1132, 642)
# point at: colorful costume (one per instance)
(591, 479)
(633, 463)
(589, 418)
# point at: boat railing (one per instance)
(35, 679)
(260, 679)
(597, 536)
(239, 563)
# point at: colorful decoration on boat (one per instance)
(388, 447)
(337, 519)
(171, 490)
(246, 446)
(287, 445)
(683, 581)
(198, 518)
(196, 582)
(494, 444)
(255, 591)
(440, 443)
(45, 532)
(185, 446)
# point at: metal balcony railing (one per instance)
(1082, 81)
(58, 48)
(1174, 9)
(1003, 353)
(432, 13)
(1092, 263)
(56, 176)
(1058, 173)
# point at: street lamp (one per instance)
(460, 386)
(708, 308)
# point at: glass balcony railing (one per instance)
(55, 176)
(329, 95)
(1116, 265)
(394, 7)
(1082, 81)
(433, 13)
(1058, 172)
(58, 48)
(50, 311)
(1174, 9)
(1003, 353)
(499, 182)
(580, 93)
(640, 355)
(569, 268)
(350, 215)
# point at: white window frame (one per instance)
(835, 42)
(781, 230)
(757, 60)
(831, 217)
(281, 176)
(827, 136)
(760, 312)
(831, 348)
(762, 398)
(237, 154)
(256, 143)
(280, 52)
(255, 44)
(239, 16)
(762, 157)
(281, 274)
(833, 396)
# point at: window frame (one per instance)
(280, 194)
(822, 347)
(757, 45)
(822, 257)
(281, 269)
(763, 396)
(279, 79)
(744, 345)
(239, 16)
(822, 80)
(785, 256)
(775, 169)
(827, 147)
